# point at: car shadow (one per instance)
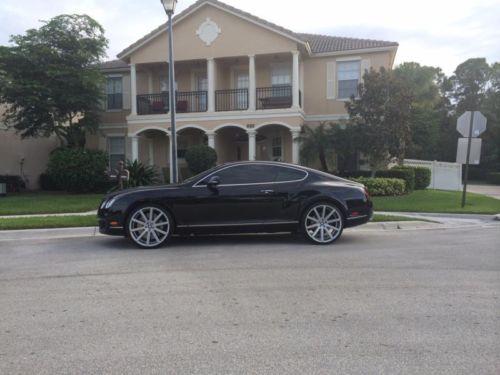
(226, 240)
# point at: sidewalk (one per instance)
(489, 190)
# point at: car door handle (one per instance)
(267, 191)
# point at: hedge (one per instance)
(404, 173)
(493, 178)
(422, 175)
(14, 183)
(78, 170)
(383, 186)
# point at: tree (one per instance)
(50, 79)
(470, 84)
(425, 84)
(317, 145)
(382, 114)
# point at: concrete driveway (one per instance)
(377, 302)
(489, 190)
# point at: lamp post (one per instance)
(169, 6)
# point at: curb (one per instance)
(43, 234)
(88, 213)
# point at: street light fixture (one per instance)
(169, 6)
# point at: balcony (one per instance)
(231, 100)
(187, 102)
(274, 97)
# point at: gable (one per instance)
(239, 36)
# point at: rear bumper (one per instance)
(354, 221)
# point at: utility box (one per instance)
(3, 189)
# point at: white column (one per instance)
(211, 84)
(133, 89)
(295, 79)
(252, 86)
(151, 152)
(135, 148)
(150, 83)
(251, 144)
(211, 139)
(295, 146)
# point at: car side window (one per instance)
(288, 174)
(257, 174)
(247, 174)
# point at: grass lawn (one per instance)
(439, 201)
(91, 220)
(48, 222)
(48, 203)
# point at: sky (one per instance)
(440, 33)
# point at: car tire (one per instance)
(322, 223)
(149, 226)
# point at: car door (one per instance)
(244, 195)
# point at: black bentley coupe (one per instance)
(240, 197)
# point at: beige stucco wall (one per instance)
(34, 151)
(315, 81)
(188, 46)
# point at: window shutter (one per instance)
(126, 92)
(330, 80)
(365, 65)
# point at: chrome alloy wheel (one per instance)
(149, 226)
(323, 223)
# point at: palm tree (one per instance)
(317, 144)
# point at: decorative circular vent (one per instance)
(208, 31)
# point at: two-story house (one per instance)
(244, 86)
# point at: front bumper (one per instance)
(110, 224)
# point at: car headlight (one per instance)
(109, 203)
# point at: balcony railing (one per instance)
(274, 97)
(231, 100)
(187, 102)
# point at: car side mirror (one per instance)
(213, 182)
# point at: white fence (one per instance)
(444, 176)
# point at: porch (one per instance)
(268, 142)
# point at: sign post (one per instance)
(470, 125)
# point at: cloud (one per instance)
(440, 33)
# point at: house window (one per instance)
(114, 92)
(276, 149)
(164, 87)
(281, 80)
(348, 73)
(116, 151)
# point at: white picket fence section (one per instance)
(444, 176)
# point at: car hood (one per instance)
(129, 191)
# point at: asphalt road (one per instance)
(394, 302)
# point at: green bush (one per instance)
(422, 177)
(141, 174)
(383, 186)
(405, 173)
(78, 170)
(200, 158)
(493, 178)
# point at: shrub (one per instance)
(46, 182)
(14, 184)
(78, 170)
(141, 174)
(200, 158)
(422, 177)
(383, 186)
(405, 173)
(493, 178)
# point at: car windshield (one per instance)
(198, 176)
